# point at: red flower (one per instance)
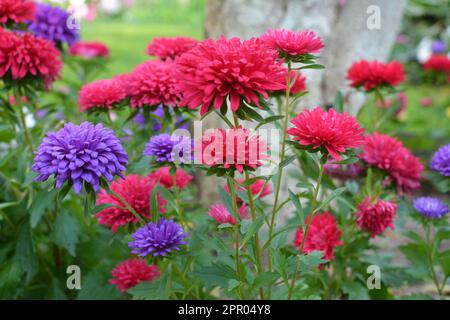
(89, 50)
(258, 187)
(388, 154)
(323, 235)
(374, 74)
(170, 48)
(375, 217)
(293, 43)
(135, 190)
(153, 83)
(182, 179)
(334, 131)
(438, 62)
(28, 56)
(232, 148)
(213, 71)
(16, 11)
(130, 272)
(219, 213)
(103, 94)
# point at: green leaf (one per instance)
(95, 286)
(216, 275)
(8, 204)
(444, 260)
(264, 279)
(66, 231)
(287, 161)
(338, 103)
(355, 290)
(268, 120)
(298, 206)
(25, 253)
(252, 229)
(334, 194)
(44, 200)
(151, 290)
(310, 261)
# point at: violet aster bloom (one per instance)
(159, 112)
(431, 207)
(167, 148)
(78, 154)
(51, 23)
(441, 160)
(438, 46)
(157, 239)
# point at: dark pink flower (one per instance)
(101, 94)
(89, 49)
(164, 177)
(372, 74)
(219, 213)
(213, 71)
(375, 216)
(153, 83)
(170, 48)
(293, 43)
(17, 11)
(129, 273)
(331, 130)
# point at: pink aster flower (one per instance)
(331, 130)
(232, 148)
(389, 154)
(135, 190)
(129, 273)
(375, 216)
(219, 213)
(170, 48)
(323, 235)
(164, 177)
(89, 49)
(101, 94)
(16, 11)
(293, 43)
(373, 74)
(24, 55)
(153, 83)
(213, 71)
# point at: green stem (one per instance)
(280, 170)
(26, 132)
(305, 233)
(256, 237)
(431, 262)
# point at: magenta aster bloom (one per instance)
(157, 239)
(431, 207)
(101, 94)
(170, 48)
(213, 71)
(77, 154)
(292, 44)
(333, 131)
(441, 160)
(219, 213)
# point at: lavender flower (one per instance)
(431, 207)
(438, 46)
(441, 160)
(167, 148)
(80, 153)
(157, 239)
(159, 112)
(51, 23)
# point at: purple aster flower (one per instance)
(438, 46)
(51, 23)
(441, 160)
(159, 112)
(431, 207)
(157, 239)
(169, 148)
(78, 154)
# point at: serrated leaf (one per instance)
(66, 231)
(252, 229)
(43, 200)
(25, 254)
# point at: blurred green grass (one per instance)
(128, 34)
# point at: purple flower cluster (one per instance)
(51, 23)
(441, 160)
(431, 207)
(159, 112)
(169, 148)
(78, 154)
(157, 239)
